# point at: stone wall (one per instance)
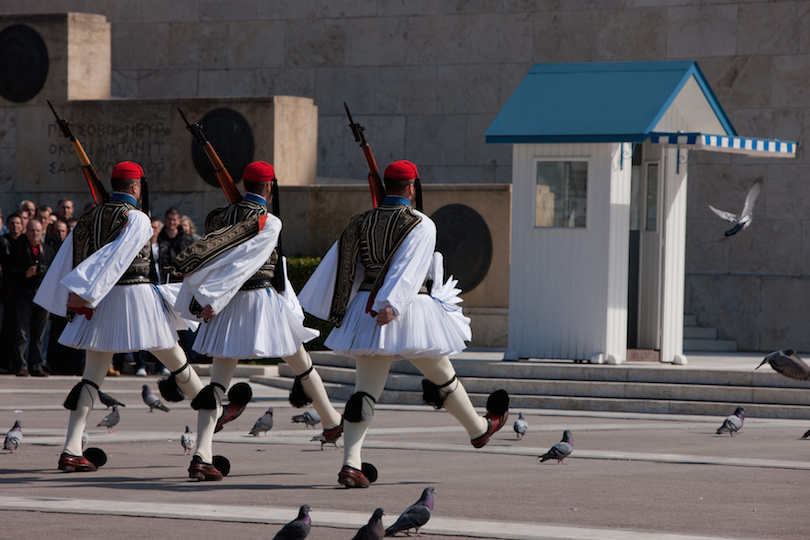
(427, 77)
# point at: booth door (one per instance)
(645, 265)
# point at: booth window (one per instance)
(561, 194)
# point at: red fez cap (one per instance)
(402, 170)
(127, 170)
(259, 171)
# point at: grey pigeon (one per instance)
(733, 423)
(152, 400)
(374, 529)
(520, 426)
(415, 516)
(13, 438)
(111, 420)
(108, 400)
(263, 424)
(297, 529)
(188, 440)
(744, 220)
(561, 450)
(310, 418)
(787, 363)
(321, 439)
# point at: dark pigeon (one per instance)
(744, 220)
(151, 400)
(520, 426)
(310, 418)
(297, 529)
(733, 423)
(806, 434)
(188, 440)
(787, 363)
(415, 516)
(374, 529)
(108, 400)
(13, 438)
(561, 450)
(263, 424)
(110, 420)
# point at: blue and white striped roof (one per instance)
(725, 143)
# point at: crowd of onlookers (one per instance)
(29, 240)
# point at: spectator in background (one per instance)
(3, 229)
(57, 232)
(29, 207)
(43, 214)
(71, 222)
(171, 241)
(188, 227)
(64, 209)
(8, 243)
(30, 262)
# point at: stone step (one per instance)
(689, 319)
(709, 345)
(698, 332)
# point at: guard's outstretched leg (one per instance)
(308, 387)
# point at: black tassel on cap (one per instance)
(299, 397)
(354, 407)
(207, 398)
(72, 399)
(168, 386)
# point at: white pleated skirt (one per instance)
(429, 328)
(254, 324)
(130, 318)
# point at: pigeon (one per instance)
(152, 400)
(13, 438)
(85, 440)
(787, 363)
(806, 434)
(561, 450)
(297, 529)
(733, 423)
(111, 420)
(374, 529)
(188, 440)
(108, 400)
(310, 418)
(415, 516)
(321, 439)
(520, 426)
(744, 220)
(263, 424)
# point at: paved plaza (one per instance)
(630, 475)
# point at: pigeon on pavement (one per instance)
(744, 220)
(520, 426)
(297, 529)
(13, 438)
(733, 423)
(321, 439)
(111, 420)
(263, 424)
(415, 516)
(108, 400)
(561, 450)
(787, 363)
(374, 529)
(310, 418)
(188, 440)
(152, 400)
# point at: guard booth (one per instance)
(599, 170)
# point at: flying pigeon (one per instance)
(263, 424)
(520, 426)
(374, 529)
(733, 423)
(297, 529)
(744, 220)
(787, 363)
(13, 438)
(561, 450)
(321, 439)
(415, 516)
(310, 418)
(152, 400)
(111, 420)
(188, 440)
(108, 400)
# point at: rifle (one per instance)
(375, 184)
(97, 190)
(223, 177)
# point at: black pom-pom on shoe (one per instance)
(240, 394)
(498, 402)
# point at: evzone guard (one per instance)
(383, 288)
(234, 281)
(100, 281)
